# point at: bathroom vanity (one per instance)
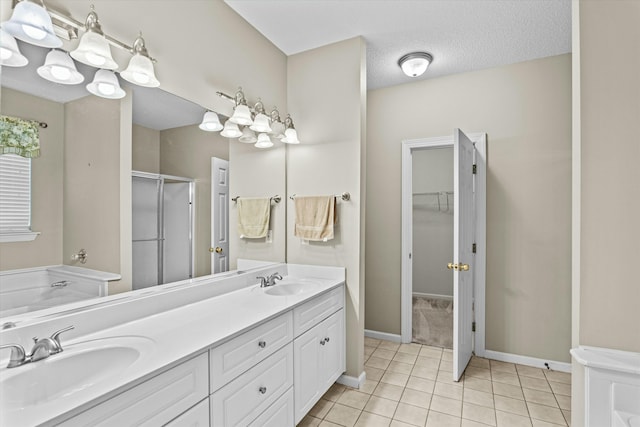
(245, 355)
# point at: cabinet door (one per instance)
(306, 370)
(332, 352)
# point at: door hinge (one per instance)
(475, 169)
(473, 248)
(473, 326)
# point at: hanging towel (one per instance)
(253, 217)
(315, 217)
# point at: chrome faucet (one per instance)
(269, 281)
(42, 348)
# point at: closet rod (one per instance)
(344, 196)
(435, 193)
(274, 198)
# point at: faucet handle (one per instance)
(17, 355)
(56, 336)
(263, 281)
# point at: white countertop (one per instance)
(603, 358)
(176, 335)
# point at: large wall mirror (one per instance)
(90, 151)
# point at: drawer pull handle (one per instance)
(262, 390)
(262, 344)
(322, 342)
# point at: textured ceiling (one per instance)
(462, 35)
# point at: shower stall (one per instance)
(162, 229)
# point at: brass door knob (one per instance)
(452, 266)
(458, 267)
(464, 267)
(218, 250)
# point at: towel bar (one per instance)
(344, 196)
(274, 198)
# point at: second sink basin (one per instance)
(286, 288)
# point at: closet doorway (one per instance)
(443, 244)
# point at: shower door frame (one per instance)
(408, 146)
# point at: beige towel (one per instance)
(315, 217)
(253, 217)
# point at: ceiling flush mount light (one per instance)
(94, 49)
(140, 70)
(10, 55)
(31, 23)
(415, 64)
(59, 68)
(105, 85)
(290, 134)
(210, 122)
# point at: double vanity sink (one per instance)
(112, 351)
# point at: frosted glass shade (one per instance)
(59, 68)
(261, 123)
(230, 130)
(105, 85)
(415, 64)
(210, 122)
(241, 115)
(264, 141)
(291, 136)
(10, 55)
(141, 72)
(31, 23)
(94, 50)
(248, 136)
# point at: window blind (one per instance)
(15, 193)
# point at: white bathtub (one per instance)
(31, 289)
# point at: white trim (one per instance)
(480, 262)
(21, 236)
(433, 296)
(382, 336)
(527, 360)
(352, 382)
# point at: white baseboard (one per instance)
(352, 382)
(433, 296)
(382, 336)
(527, 360)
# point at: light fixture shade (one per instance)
(261, 123)
(59, 68)
(415, 64)
(241, 115)
(10, 55)
(210, 122)
(290, 136)
(105, 85)
(277, 130)
(140, 70)
(94, 50)
(248, 136)
(31, 23)
(230, 130)
(264, 141)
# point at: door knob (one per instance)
(464, 267)
(452, 266)
(458, 267)
(217, 250)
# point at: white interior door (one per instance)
(219, 215)
(463, 232)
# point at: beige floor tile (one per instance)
(354, 399)
(539, 397)
(388, 345)
(530, 371)
(438, 419)
(563, 401)
(373, 374)
(378, 363)
(309, 421)
(446, 365)
(400, 367)
(446, 405)
(421, 384)
(395, 378)
(539, 423)
(432, 352)
(514, 406)
(447, 354)
(478, 384)
(388, 391)
(326, 423)
(416, 398)
(422, 372)
(479, 362)
(469, 423)
(428, 362)
(368, 351)
(558, 377)
(368, 419)
(405, 358)
(546, 413)
(410, 414)
(371, 342)
(381, 406)
(383, 353)
(506, 378)
(508, 390)
(535, 383)
(481, 373)
(478, 398)
(507, 419)
(321, 408)
(560, 388)
(567, 416)
(342, 415)
(497, 365)
(451, 391)
(334, 392)
(411, 348)
(481, 414)
(396, 423)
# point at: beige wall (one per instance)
(326, 89)
(145, 153)
(46, 184)
(525, 109)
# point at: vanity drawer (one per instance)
(241, 353)
(154, 402)
(313, 312)
(280, 414)
(198, 416)
(246, 397)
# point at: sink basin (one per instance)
(78, 367)
(284, 289)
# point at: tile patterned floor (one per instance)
(410, 385)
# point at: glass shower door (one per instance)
(146, 232)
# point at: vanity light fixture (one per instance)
(105, 85)
(94, 49)
(10, 55)
(414, 64)
(261, 121)
(230, 130)
(30, 22)
(59, 68)
(248, 136)
(140, 70)
(277, 127)
(264, 141)
(290, 134)
(210, 122)
(241, 113)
